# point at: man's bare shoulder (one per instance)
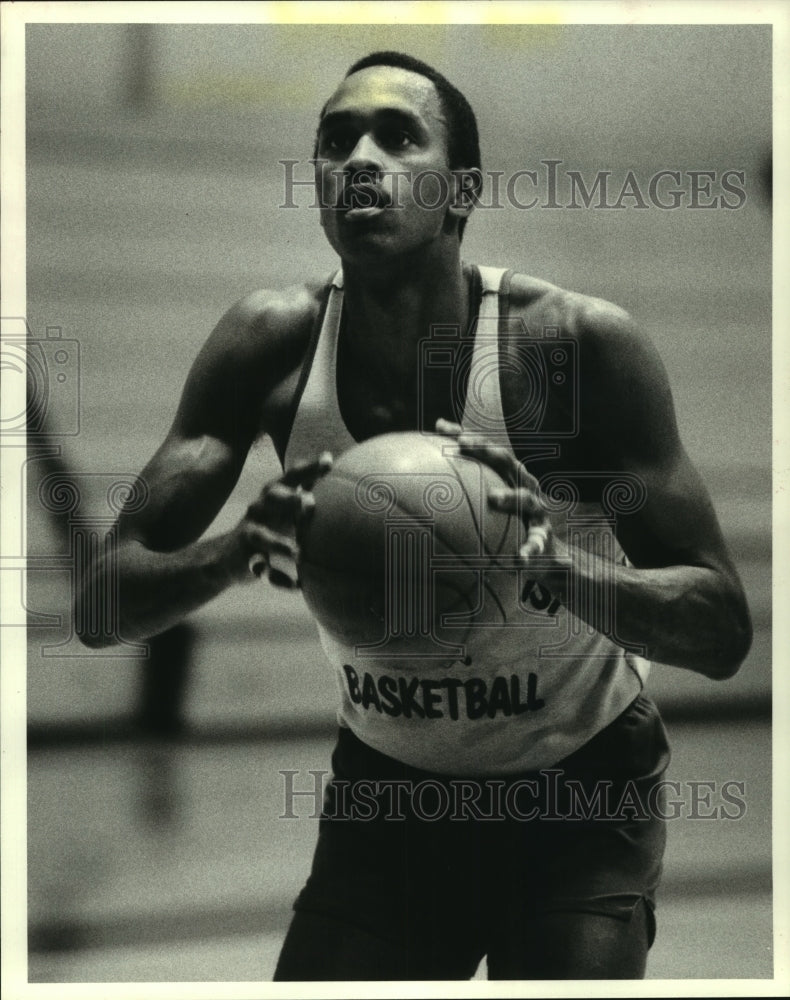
(248, 359)
(261, 339)
(616, 361)
(585, 317)
(270, 320)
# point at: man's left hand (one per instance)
(520, 496)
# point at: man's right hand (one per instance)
(268, 529)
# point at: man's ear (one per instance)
(467, 185)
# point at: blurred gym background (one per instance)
(156, 847)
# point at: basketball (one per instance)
(394, 558)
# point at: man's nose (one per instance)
(364, 158)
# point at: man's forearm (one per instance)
(684, 616)
(133, 593)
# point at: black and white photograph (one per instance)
(391, 495)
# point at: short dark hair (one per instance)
(463, 142)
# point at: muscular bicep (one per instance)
(629, 406)
(194, 471)
(186, 483)
(676, 523)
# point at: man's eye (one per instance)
(337, 142)
(397, 138)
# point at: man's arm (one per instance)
(163, 571)
(681, 599)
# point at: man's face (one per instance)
(382, 164)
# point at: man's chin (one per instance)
(375, 242)
(349, 242)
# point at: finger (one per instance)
(522, 502)
(537, 540)
(276, 558)
(281, 504)
(284, 566)
(496, 457)
(267, 542)
(526, 505)
(448, 428)
(258, 563)
(282, 580)
(307, 474)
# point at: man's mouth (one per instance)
(362, 199)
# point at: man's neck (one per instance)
(390, 310)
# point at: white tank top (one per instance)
(528, 693)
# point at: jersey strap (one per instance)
(318, 425)
(483, 411)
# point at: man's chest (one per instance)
(411, 394)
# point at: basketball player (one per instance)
(542, 890)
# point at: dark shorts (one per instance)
(412, 856)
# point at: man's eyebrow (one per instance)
(332, 118)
